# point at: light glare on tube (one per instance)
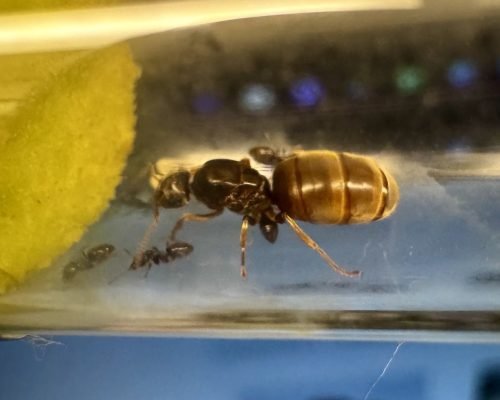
(78, 29)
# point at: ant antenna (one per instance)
(122, 272)
(118, 276)
(139, 251)
(152, 226)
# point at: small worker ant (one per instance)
(154, 256)
(88, 260)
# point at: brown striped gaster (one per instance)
(321, 187)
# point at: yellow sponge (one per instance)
(62, 158)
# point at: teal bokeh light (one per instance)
(410, 79)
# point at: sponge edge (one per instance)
(63, 157)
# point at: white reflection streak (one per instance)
(389, 268)
(77, 29)
(365, 250)
(383, 371)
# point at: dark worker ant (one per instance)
(154, 256)
(318, 186)
(88, 260)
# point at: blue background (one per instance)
(170, 368)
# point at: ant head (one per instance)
(70, 271)
(173, 191)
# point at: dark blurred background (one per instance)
(355, 81)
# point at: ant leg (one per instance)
(192, 217)
(141, 247)
(315, 246)
(153, 173)
(243, 245)
(156, 206)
